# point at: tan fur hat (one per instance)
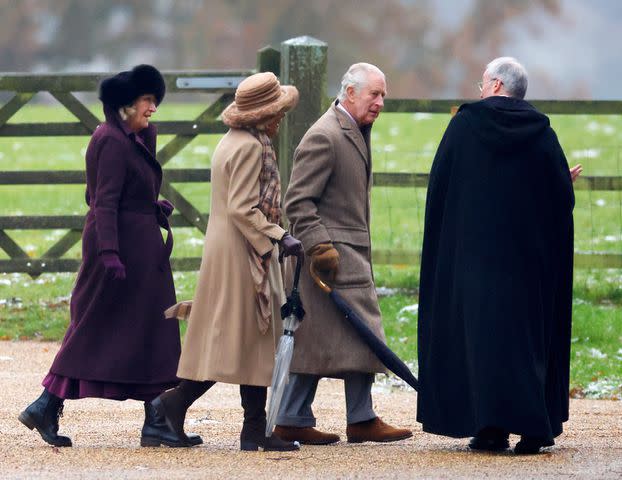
(257, 99)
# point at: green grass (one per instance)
(402, 143)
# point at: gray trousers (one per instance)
(295, 410)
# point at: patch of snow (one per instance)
(419, 116)
(603, 388)
(414, 309)
(201, 150)
(587, 153)
(596, 353)
(406, 313)
(194, 241)
(385, 291)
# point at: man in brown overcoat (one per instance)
(328, 207)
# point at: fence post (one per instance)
(303, 64)
(269, 60)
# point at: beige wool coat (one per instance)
(328, 200)
(223, 342)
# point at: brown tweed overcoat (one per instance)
(328, 200)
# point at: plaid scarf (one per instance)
(270, 205)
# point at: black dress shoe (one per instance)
(157, 431)
(490, 439)
(43, 414)
(531, 445)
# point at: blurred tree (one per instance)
(421, 54)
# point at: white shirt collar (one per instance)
(343, 109)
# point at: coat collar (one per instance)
(360, 138)
(144, 140)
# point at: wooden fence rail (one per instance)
(302, 62)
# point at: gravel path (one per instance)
(106, 436)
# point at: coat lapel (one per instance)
(353, 133)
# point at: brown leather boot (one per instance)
(375, 430)
(305, 435)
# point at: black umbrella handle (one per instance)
(293, 305)
(299, 262)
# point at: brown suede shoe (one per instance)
(305, 435)
(375, 430)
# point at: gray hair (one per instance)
(357, 77)
(511, 73)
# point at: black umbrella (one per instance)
(384, 353)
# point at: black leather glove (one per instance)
(289, 245)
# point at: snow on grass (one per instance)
(596, 353)
(597, 127)
(386, 292)
(586, 153)
(201, 150)
(419, 116)
(407, 313)
(194, 241)
(391, 382)
(603, 388)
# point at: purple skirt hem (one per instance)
(75, 388)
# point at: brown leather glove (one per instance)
(325, 259)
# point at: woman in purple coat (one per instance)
(118, 344)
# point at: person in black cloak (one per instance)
(496, 273)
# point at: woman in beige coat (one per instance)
(235, 321)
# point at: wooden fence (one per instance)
(302, 62)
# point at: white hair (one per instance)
(357, 76)
(511, 73)
(127, 112)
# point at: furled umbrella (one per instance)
(292, 314)
(382, 351)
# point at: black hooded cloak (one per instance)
(496, 275)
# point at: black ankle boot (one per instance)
(156, 432)
(490, 439)
(43, 414)
(253, 435)
(171, 407)
(531, 445)
(161, 430)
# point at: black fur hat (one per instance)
(125, 87)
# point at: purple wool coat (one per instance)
(118, 332)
